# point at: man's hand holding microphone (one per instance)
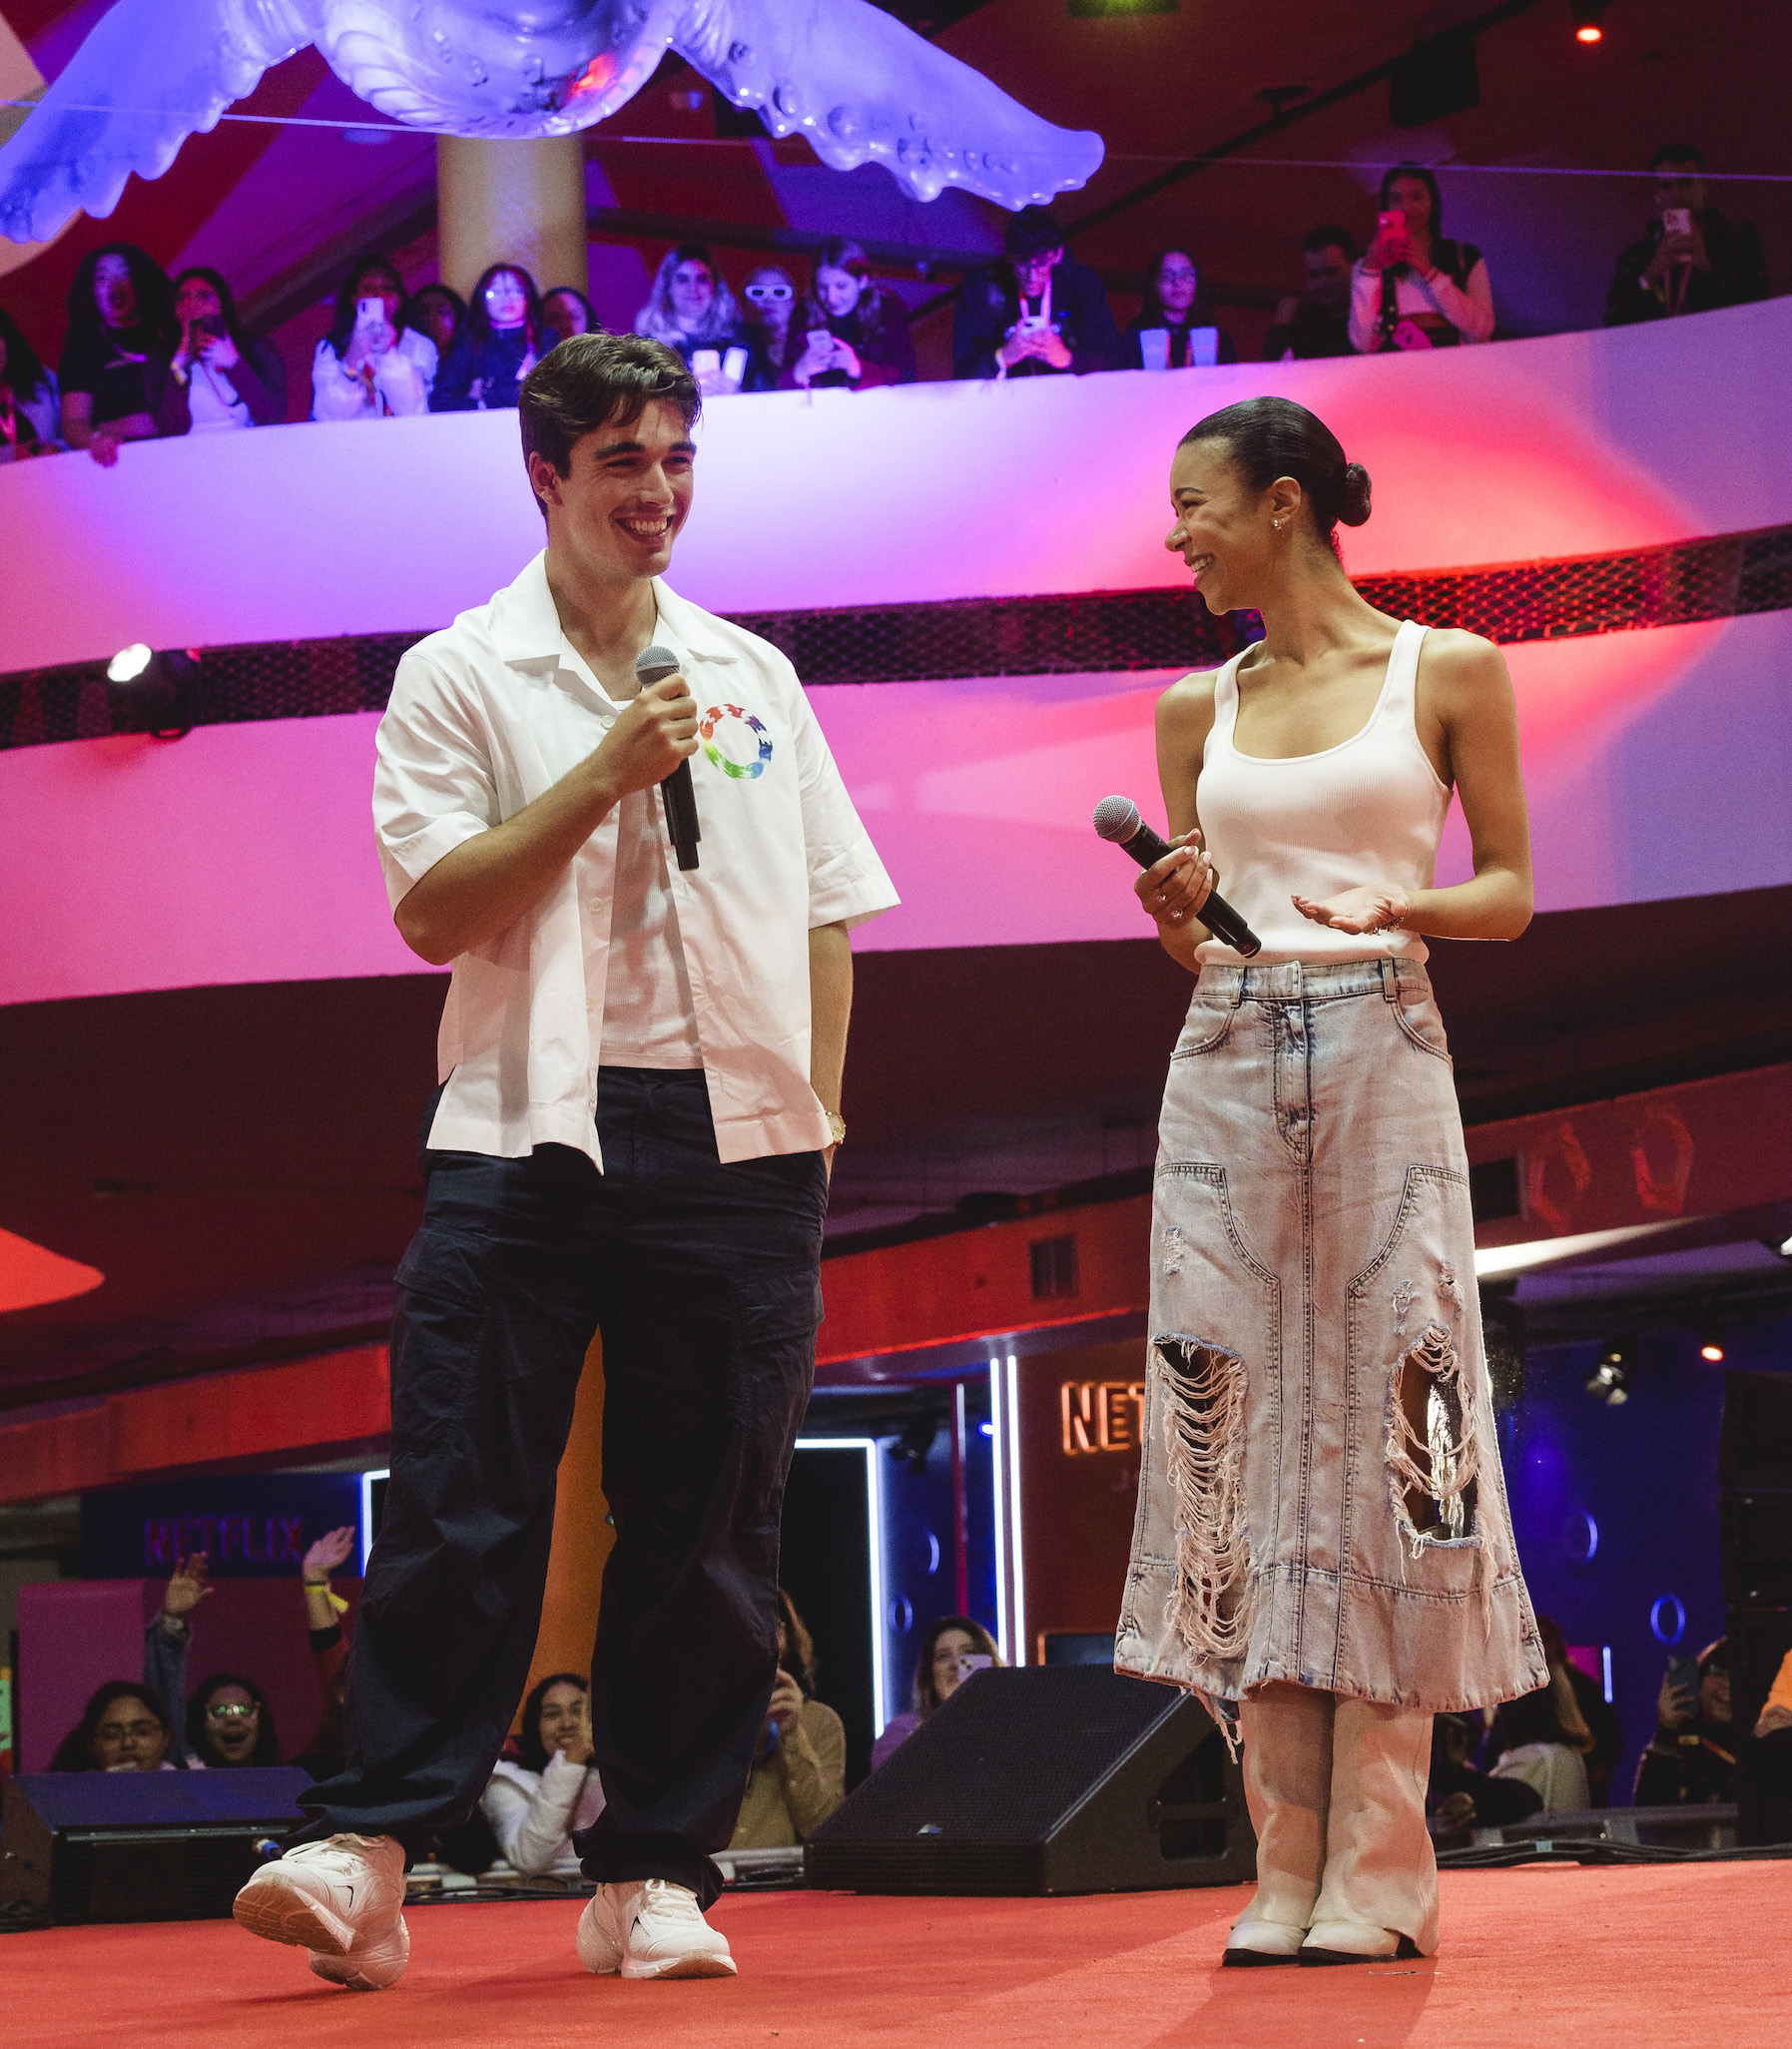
(655, 731)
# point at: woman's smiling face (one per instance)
(1222, 530)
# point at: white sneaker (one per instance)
(371, 1966)
(650, 1929)
(339, 1898)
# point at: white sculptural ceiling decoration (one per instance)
(857, 84)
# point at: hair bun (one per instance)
(1353, 503)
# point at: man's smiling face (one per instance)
(625, 495)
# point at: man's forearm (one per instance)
(486, 884)
(830, 1009)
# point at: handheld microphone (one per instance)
(653, 665)
(1117, 819)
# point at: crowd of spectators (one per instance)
(145, 355)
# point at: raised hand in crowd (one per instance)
(187, 1588)
(329, 1555)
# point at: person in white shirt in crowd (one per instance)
(1413, 289)
(641, 1073)
(549, 1791)
(691, 309)
(370, 365)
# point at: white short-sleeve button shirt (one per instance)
(486, 716)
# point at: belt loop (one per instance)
(1390, 980)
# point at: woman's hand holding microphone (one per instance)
(1173, 889)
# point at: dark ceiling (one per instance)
(240, 1162)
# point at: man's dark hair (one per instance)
(1330, 236)
(599, 381)
(1676, 153)
(1032, 232)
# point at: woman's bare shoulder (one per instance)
(1186, 708)
(1463, 664)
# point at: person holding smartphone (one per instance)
(1323, 1550)
(798, 1772)
(951, 1649)
(1689, 259)
(1038, 312)
(1411, 288)
(856, 335)
(219, 378)
(370, 365)
(1692, 1754)
(497, 347)
(690, 308)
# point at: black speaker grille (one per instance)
(1022, 1757)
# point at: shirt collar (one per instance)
(526, 624)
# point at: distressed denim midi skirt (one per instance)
(1313, 1251)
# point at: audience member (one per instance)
(166, 1641)
(230, 1724)
(1412, 289)
(539, 1800)
(692, 311)
(496, 348)
(121, 322)
(30, 404)
(1543, 1738)
(564, 314)
(799, 1773)
(774, 338)
(1169, 312)
(370, 365)
(1464, 1797)
(1036, 313)
(218, 377)
(323, 1757)
(1691, 1758)
(124, 1727)
(951, 1649)
(1690, 259)
(855, 334)
(1318, 323)
(437, 312)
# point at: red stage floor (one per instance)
(1548, 1955)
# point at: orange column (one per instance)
(582, 1535)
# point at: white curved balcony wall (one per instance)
(1659, 763)
(1576, 444)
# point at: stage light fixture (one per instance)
(153, 692)
(1611, 1380)
(1711, 1341)
(1586, 16)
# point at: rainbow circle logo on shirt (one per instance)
(723, 757)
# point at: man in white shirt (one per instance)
(640, 1099)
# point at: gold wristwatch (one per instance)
(837, 1128)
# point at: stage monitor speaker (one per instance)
(1754, 1445)
(139, 1845)
(1055, 1778)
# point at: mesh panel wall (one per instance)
(1095, 631)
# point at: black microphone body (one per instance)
(653, 665)
(1216, 914)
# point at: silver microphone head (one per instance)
(1117, 819)
(653, 665)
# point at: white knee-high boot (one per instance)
(1287, 1736)
(1380, 1875)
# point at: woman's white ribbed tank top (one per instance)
(1370, 810)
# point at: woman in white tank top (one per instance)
(1323, 1536)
